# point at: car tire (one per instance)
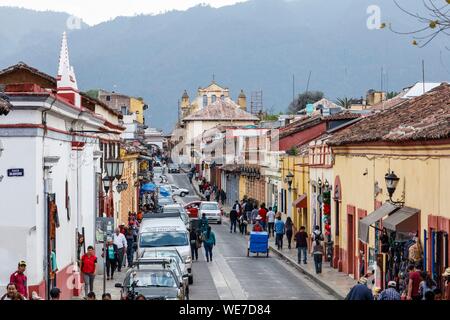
(191, 279)
(182, 194)
(220, 222)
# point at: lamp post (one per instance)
(391, 183)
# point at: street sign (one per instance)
(104, 227)
(15, 172)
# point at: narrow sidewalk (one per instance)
(334, 281)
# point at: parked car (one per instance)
(167, 253)
(192, 209)
(178, 208)
(153, 281)
(176, 191)
(159, 232)
(211, 210)
(174, 168)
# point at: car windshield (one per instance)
(210, 206)
(163, 239)
(165, 201)
(152, 279)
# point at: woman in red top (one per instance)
(263, 214)
(257, 227)
(88, 269)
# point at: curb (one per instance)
(320, 282)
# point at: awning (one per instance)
(375, 216)
(301, 202)
(404, 220)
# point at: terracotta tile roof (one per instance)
(426, 117)
(389, 103)
(24, 66)
(5, 106)
(343, 116)
(300, 125)
(221, 110)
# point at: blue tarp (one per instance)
(151, 187)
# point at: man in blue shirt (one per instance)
(390, 293)
(279, 233)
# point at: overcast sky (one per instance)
(96, 11)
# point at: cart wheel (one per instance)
(257, 254)
(267, 254)
(248, 252)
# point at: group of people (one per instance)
(203, 235)
(212, 192)
(420, 286)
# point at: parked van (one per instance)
(162, 233)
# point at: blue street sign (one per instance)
(15, 173)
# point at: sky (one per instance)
(96, 11)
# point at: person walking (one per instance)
(19, 279)
(208, 194)
(360, 291)
(209, 242)
(194, 242)
(11, 292)
(427, 284)
(243, 223)
(111, 258)
(414, 283)
(390, 293)
(255, 213)
(317, 253)
(279, 232)
(121, 242)
(317, 234)
(233, 220)
(263, 214)
(203, 223)
(89, 269)
(223, 196)
(301, 244)
(130, 242)
(270, 221)
(55, 294)
(289, 231)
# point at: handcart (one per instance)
(258, 243)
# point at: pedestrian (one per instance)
(106, 296)
(233, 220)
(111, 258)
(89, 269)
(258, 227)
(427, 284)
(263, 214)
(11, 291)
(243, 223)
(55, 293)
(279, 232)
(301, 244)
(390, 293)
(130, 237)
(121, 242)
(255, 213)
(209, 243)
(91, 296)
(208, 194)
(203, 223)
(376, 293)
(414, 283)
(223, 196)
(270, 221)
(446, 288)
(360, 291)
(317, 234)
(194, 242)
(289, 231)
(20, 279)
(317, 253)
(141, 297)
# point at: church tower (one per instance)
(67, 86)
(185, 103)
(242, 101)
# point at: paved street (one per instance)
(233, 275)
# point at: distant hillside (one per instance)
(254, 45)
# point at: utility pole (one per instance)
(423, 75)
(307, 84)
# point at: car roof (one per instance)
(173, 206)
(175, 224)
(209, 202)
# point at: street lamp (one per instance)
(327, 185)
(320, 183)
(106, 184)
(391, 183)
(289, 179)
(114, 169)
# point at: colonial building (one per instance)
(53, 163)
(408, 147)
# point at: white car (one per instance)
(211, 210)
(176, 191)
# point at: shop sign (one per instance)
(16, 172)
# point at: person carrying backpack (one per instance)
(317, 234)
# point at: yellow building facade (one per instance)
(129, 197)
(293, 202)
(138, 106)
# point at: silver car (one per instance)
(211, 210)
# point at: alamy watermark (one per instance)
(73, 23)
(374, 19)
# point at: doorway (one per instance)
(350, 244)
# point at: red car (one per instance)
(192, 209)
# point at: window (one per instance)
(124, 110)
(222, 97)
(205, 100)
(213, 98)
(108, 98)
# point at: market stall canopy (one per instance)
(377, 215)
(405, 220)
(301, 202)
(148, 187)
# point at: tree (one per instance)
(304, 99)
(92, 93)
(435, 22)
(392, 94)
(345, 102)
(293, 151)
